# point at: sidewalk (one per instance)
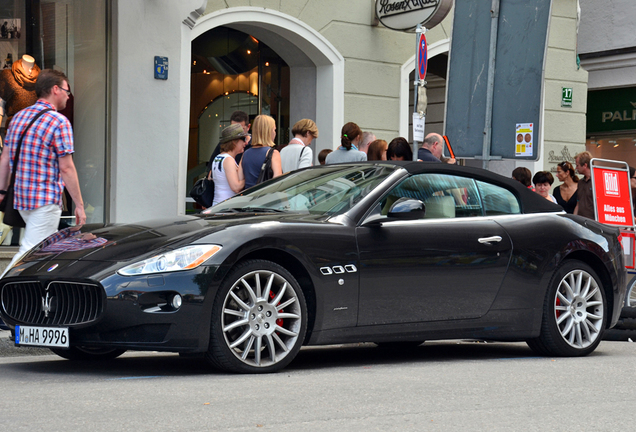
(8, 348)
(6, 255)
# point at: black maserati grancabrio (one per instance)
(391, 253)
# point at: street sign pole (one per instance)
(421, 62)
(487, 144)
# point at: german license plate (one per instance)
(41, 336)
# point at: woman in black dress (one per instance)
(565, 193)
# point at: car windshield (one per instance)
(329, 190)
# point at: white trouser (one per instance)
(40, 223)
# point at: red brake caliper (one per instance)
(558, 303)
(279, 321)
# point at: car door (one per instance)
(448, 265)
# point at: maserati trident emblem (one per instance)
(46, 305)
(53, 267)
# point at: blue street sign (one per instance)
(161, 68)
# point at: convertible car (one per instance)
(391, 253)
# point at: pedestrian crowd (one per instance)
(575, 194)
(241, 161)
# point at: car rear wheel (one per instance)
(259, 319)
(574, 312)
(88, 354)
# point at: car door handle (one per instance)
(489, 240)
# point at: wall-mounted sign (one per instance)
(611, 110)
(161, 68)
(524, 138)
(566, 97)
(407, 14)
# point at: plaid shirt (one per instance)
(38, 181)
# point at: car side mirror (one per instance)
(407, 209)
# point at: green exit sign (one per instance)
(566, 97)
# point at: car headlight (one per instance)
(185, 258)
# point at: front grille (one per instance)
(58, 303)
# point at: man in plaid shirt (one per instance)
(45, 166)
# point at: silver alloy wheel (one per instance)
(578, 309)
(261, 318)
(631, 296)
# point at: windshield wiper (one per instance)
(252, 210)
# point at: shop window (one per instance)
(613, 147)
(70, 36)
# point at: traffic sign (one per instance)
(422, 57)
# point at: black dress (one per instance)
(568, 205)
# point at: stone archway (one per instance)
(316, 67)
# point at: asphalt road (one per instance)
(439, 386)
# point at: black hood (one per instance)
(125, 242)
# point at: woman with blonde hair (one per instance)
(297, 154)
(263, 134)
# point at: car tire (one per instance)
(629, 310)
(259, 319)
(88, 354)
(574, 313)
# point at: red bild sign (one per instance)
(612, 193)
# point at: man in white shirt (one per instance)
(297, 154)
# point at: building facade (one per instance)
(607, 49)
(142, 140)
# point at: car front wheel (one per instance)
(259, 319)
(574, 313)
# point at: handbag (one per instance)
(267, 172)
(203, 192)
(12, 216)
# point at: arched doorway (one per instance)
(316, 68)
(231, 71)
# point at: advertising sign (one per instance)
(611, 110)
(407, 14)
(612, 192)
(524, 133)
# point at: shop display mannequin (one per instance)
(17, 87)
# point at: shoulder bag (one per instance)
(12, 216)
(203, 191)
(267, 172)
